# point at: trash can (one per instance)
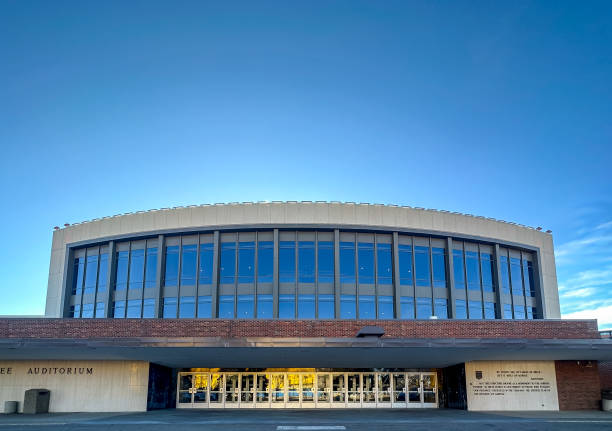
(10, 407)
(606, 400)
(36, 401)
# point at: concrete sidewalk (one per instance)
(280, 420)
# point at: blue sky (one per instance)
(501, 109)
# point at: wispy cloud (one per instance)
(602, 314)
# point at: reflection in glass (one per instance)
(421, 261)
(323, 388)
(507, 311)
(293, 388)
(87, 311)
(119, 309)
(516, 276)
(134, 308)
(306, 261)
(353, 385)
(263, 385)
(265, 261)
(367, 307)
(100, 310)
(185, 382)
(79, 271)
(277, 388)
(226, 306)
(264, 307)
(385, 307)
(172, 264)
(200, 384)
(326, 307)
(384, 270)
(475, 309)
(206, 263)
(91, 272)
(246, 306)
(489, 310)
(227, 269)
(216, 388)
(473, 270)
(103, 272)
(365, 256)
(505, 275)
(407, 307)
(246, 262)
(188, 265)
(458, 269)
(399, 385)
(187, 307)
(528, 278)
(231, 388)
(286, 306)
(169, 311)
(347, 262)
(136, 268)
(384, 388)
(347, 307)
(414, 388)
(306, 306)
(423, 306)
(460, 309)
(519, 312)
(308, 388)
(369, 388)
(439, 266)
(429, 388)
(286, 262)
(148, 308)
(326, 261)
(338, 388)
(486, 266)
(151, 268)
(405, 264)
(204, 307)
(247, 388)
(441, 308)
(121, 275)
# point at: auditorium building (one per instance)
(303, 305)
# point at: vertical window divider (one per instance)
(337, 273)
(376, 314)
(482, 295)
(275, 276)
(413, 256)
(197, 276)
(316, 273)
(431, 278)
(296, 275)
(356, 275)
(236, 272)
(396, 276)
(255, 274)
(159, 273)
(215, 276)
(499, 306)
(465, 287)
(451, 278)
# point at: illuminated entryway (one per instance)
(307, 389)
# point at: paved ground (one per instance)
(277, 420)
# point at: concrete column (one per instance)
(159, 273)
(215, 274)
(499, 311)
(451, 278)
(337, 272)
(396, 275)
(275, 277)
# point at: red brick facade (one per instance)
(126, 328)
(605, 375)
(578, 385)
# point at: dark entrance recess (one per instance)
(162, 387)
(455, 395)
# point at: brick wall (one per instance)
(578, 385)
(125, 328)
(605, 375)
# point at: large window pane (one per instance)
(460, 309)
(475, 309)
(151, 269)
(265, 261)
(306, 262)
(486, 266)
(172, 265)
(516, 277)
(134, 308)
(347, 262)
(458, 269)
(326, 307)
(365, 255)
(530, 312)
(100, 310)
(505, 275)
(405, 264)
(226, 306)
(75, 311)
(87, 311)
(519, 312)
(246, 262)
(91, 272)
(326, 261)
(286, 262)
(227, 268)
(265, 307)
(79, 271)
(407, 307)
(148, 308)
(246, 306)
(441, 308)
(121, 277)
(347, 307)
(507, 311)
(489, 310)
(439, 266)
(384, 264)
(188, 265)
(385, 307)
(206, 263)
(473, 270)
(423, 306)
(136, 268)
(286, 306)
(205, 307)
(306, 306)
(187, 306)
(103, 272)
(119, 309)
(528, 278)
(367, 307)
(421, 261)
(170, 307)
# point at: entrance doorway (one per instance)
(307, 390)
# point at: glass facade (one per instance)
(373, 273)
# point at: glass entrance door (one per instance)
(383, 390)
(353, 394)
(232, 390)
(200, 389)
(414, 389)
(247, 390)
(277, 390)
(399, 390)
(429, 391)
(323, 390)
(262, 392)
(369, 390)
(216, 390)
(338, 390)
(308, 390)
(293, 390)
(185, 389)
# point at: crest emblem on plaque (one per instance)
(478, 375)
